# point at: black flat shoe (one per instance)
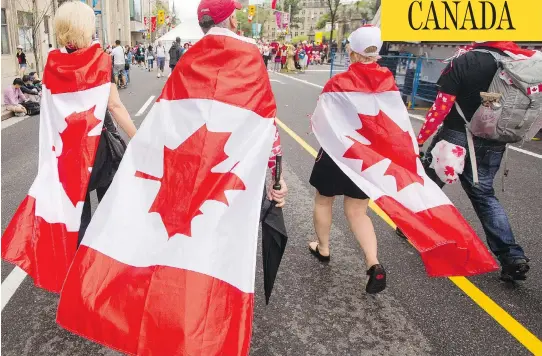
(377, 279)
(515, 269)
(318, 255)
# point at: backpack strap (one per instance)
(470, 144)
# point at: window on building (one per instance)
(25, 22)
(296, 34)
(5, 35)
(302, 33)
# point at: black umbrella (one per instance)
(274, 237)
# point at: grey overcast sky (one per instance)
(186, 9)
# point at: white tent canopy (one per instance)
(188, 31)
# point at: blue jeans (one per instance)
(499, 235)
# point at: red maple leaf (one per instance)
(78, 152)
(458, 151)
(449, 171)
(387, 140)
(188, 182)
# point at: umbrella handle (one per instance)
(278, 172)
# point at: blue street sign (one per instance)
(97, 12)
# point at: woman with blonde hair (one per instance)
(330, 181)
(75, 26)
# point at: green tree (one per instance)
(322, 21)
(333, 6)
(294, 6)
(243, 24)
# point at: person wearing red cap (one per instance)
(218, 13)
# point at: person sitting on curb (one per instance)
(31, 92)
(13, 97)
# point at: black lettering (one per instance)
(493, 15)
(471, 19)
(410, 15)
(448, 12)
(434, 19)
(508, 18)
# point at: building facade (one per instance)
(309, 15)
(17, 27)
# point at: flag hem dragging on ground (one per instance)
(168, 262)
(362, 123)
(42, 236)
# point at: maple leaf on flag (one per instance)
(187, 181)
(78, 152)
(449, 171)
(387, 140)
(458, 151)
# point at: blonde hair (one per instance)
(74, 24)
(359, 57)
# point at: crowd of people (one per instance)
(291, 57)
(144, 56)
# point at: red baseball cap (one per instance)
(218, 10)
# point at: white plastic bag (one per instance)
(448, 161)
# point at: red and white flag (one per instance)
(362, 123)
(42, 236)
(167, 264)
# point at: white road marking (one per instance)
(325, 70)
(417, 117)
(11, 283)
(145, 106)
(300, 80)
(13, 120)
(276, 80)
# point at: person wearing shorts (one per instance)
(119, 63)
(21, 59)
(330, 180)
(160, 58)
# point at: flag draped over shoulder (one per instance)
(42, 236)
(167, 264)
(362, 123)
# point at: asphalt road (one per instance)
(317, 309)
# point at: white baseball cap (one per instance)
(365, 37)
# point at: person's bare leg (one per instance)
(322, 215)
(362, 227)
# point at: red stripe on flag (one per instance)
(43, 250)
(364, 78)
(225, 69)
(156, 310)
(81, 70)
(447, 249)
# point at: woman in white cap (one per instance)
(330, 181)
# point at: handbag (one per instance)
(111, 148)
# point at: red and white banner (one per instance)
(42, 236)
(167, 264)
(362, 123)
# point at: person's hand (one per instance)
(279, 196)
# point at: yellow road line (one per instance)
(517, 330)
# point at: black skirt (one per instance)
(330, 180)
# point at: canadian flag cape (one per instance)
(42, 235)
(362, 123)
(167, 264)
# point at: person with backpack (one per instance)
(478, 121)
(175, 53)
